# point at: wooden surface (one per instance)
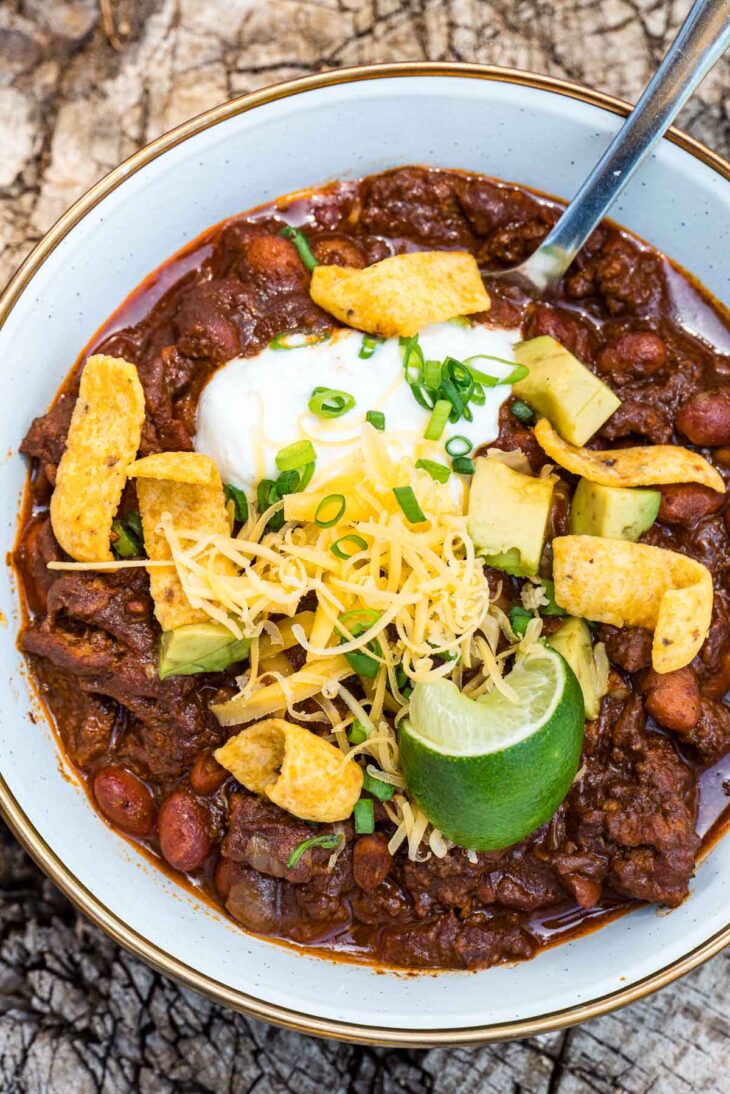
(82, 84)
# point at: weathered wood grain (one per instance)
(83, 84)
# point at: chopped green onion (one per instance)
(328, 840)
(356, 622)
(338, 550)
(551, 608)
(297, 339)
(320, 513)
(328, 402)
(306, 473)
(376, 419)
(432, 374)
(128, 532)
(518, 619)
(240, 504)
(295, 455)
(287, 483)
(370, 343)
(357, 734)
(266, 495)
(413, 360)
(458, 445)
(477, 396)
(409, 504)
(437, 421)
(299, 240)
(458, 406)
(377, 787)
(459, 375)
(462, 465)
(438, 471)
(522, 412)
(518, 371)
(364, 816)
(424, 396)
(403, 682)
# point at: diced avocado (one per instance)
(573, 642)
(611, 511)
(575, 401)
(200, 647)
(508, 515)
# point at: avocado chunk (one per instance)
(199, 647)
(508, 515)
(558, 386)
(611, 511)
(573, 642)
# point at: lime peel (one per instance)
(488, 772)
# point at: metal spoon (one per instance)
(702, 39)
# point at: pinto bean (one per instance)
(183, 831)
(207, 775)
(705, 418)
(124, 800)
(672, 698)
(371, 861)
(638, 353)
(274, 258)
(338, 252)
(684, 503)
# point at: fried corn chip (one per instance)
(103, 439)
(192, 507)
(190, 467)
(403, 294)
(635, 585)
(295, 769)
(650, 465)
(304, 684)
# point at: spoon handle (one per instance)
(702, 39)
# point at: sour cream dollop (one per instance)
(253, 407)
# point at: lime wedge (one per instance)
(488, 772)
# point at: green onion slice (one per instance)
(339, 551)
(334, 504)
(297, 339)
(522, 412)
(329, 402)
(409, 504)
(437, 421)
(551, 608)
(329, 840)
(438, 471)
(240, 503)
(458, 445)
(413, 360)
(377, 787)
(518, 371)
(299, 240)
(364, 816)
(463, 465)
(358, 733)
(356, 622)
(376, 419)
(370, 343)
(432, 374)
(426, 397)
(295, 455)
(128, 531)
(306, 473)
(518, 619)
(287, 483)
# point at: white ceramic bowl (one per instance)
(530, 129)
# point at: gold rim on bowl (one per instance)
(33, 841)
